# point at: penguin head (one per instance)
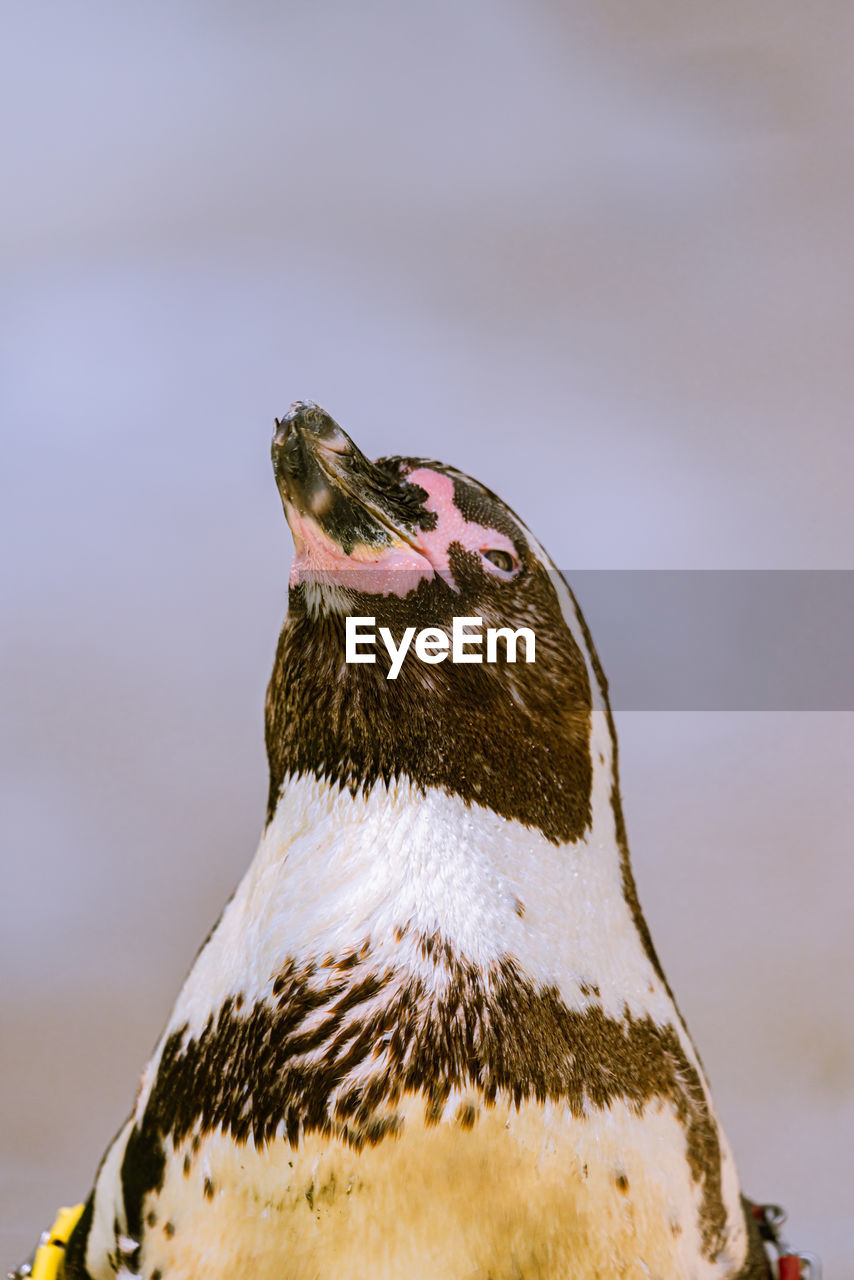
(405, 545)
(386, 528)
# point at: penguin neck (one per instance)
(401, 870)
(391, 878)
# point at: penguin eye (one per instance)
(501, 559)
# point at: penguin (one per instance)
(429, 1037)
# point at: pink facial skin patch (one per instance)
(452, 526)
(398, 568)
(392, 570)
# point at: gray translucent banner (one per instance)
(722, 640)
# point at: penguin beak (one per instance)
(342, 509)
(312, 462)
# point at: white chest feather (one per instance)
(452, 1193)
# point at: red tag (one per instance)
(789, 1267)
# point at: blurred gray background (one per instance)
(600, 256)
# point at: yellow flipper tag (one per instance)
(49, 1262)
